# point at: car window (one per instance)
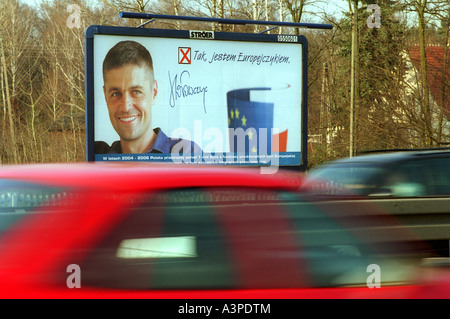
(439, 178)
(226, 239)
(422, 176)
(407, 179)
(354, 177)
(17, 198)
(20, 195)
(419, 177)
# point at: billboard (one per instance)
(196, 97)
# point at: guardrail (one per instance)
(428, 218)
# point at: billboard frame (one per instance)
(94, 30)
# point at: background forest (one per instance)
(380, 79)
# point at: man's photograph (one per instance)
(130, 90)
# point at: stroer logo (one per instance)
(207, 35)
(184, 55)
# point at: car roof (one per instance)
(139, 175)
(389, 157)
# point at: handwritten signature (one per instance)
(180, 89)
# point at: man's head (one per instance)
(130, 90)
(127, 52)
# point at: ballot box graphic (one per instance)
(251, 124)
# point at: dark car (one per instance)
(394, 174)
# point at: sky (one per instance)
(29, 2)
(314, 9)
(334, 8)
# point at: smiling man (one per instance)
(130, 91)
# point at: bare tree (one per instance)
(8, 109)
(18, 40)
(425, 10)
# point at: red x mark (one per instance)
(185, 55)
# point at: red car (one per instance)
(135, 230)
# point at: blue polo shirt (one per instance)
(163, 144)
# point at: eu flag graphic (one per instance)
(250, 122)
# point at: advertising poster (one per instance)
(195, 97)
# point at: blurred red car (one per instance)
(134, 230)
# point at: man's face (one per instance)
(130, 93)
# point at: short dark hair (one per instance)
(127, 52)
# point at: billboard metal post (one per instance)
(150, 16)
